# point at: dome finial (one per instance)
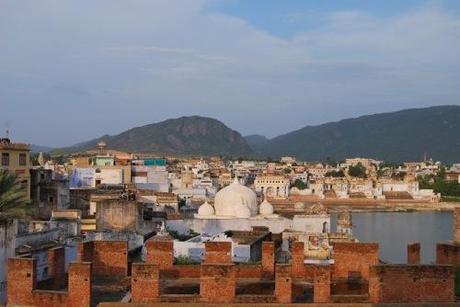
(235, 180)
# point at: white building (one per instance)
(272, 186)
(235, 208)
(195, 247)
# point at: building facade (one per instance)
(15, 158)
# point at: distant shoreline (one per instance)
(367, 205)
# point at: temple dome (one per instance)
(243, 212)
(206, 210)
(231, 200)
(265, 208)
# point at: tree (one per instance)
(357, 170)
(336, 174)
(12, 196)
(299, 184)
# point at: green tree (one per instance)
(336, 174)
(299, 184)
(357, 170)
(13, 196)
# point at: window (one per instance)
(5, 159)
(50, 199)
(22, 159)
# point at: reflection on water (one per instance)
(393, 230)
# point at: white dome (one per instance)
(206, 210)
(231, 199)
(243, 212)
(265, 208)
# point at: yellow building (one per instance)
(15, 158)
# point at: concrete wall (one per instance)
(117, 215)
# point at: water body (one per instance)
(393, 230)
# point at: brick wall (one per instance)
(218, 252)
(79, 284)
(297, 261)
(448, 253)
(109, 258)
(249, 271)
(85, 251)
(413, 253)
(283, 283)
(22, 285)
(145, 283)
(411, 284)
(160, 253)
(322, 284)
(217, 283)
(181, 271)
(354, 258)
(56, 264)
(21, 281)
(268, 258)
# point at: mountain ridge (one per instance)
(393, 136)
(186, 135)
(405, 135)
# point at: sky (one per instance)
(73, 70)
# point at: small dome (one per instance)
(229, 200)
(265, 208)
(206, 210)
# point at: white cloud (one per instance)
(149, 60)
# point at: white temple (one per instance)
(235, 208)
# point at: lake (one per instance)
(393, 230)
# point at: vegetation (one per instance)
(184, 260)
(450, 190)
(13, 196)
(336, 174)
(398, 175)
(299, 184)
(357, 170)
(331, 162)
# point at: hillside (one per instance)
(192, 135)
(397, 136)
(257, 142)
(39, 148)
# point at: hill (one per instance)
(193, 135)
(257, 142)
(397, 136)
(39, 148)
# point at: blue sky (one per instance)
(73, 70)
(288, 18)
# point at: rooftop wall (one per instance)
(351, 259)
(411, 283)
